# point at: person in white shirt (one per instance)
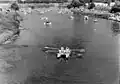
(67, 53)
(61, 52)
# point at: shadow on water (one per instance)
(115, 28)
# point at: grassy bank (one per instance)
(8, 26)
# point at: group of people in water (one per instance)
(64, 53)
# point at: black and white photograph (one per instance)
(59, 41)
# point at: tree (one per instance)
(14, 6)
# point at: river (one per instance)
(100, 64)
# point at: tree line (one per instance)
(42, 1)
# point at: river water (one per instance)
(100, 64)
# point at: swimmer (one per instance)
(86, 17)
(47, 23)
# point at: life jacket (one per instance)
(62, 51)
(67, 51)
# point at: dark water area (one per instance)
(100, 64)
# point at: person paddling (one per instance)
(64, 54)
(67, 53)
(61, 52)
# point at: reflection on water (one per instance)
(115, 28)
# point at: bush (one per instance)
(102, 8)
(115, 10)
(14, 6)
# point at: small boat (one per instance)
(95, 20)
(47, 23)
(42, 12)
(44, 18)
(71, 17)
